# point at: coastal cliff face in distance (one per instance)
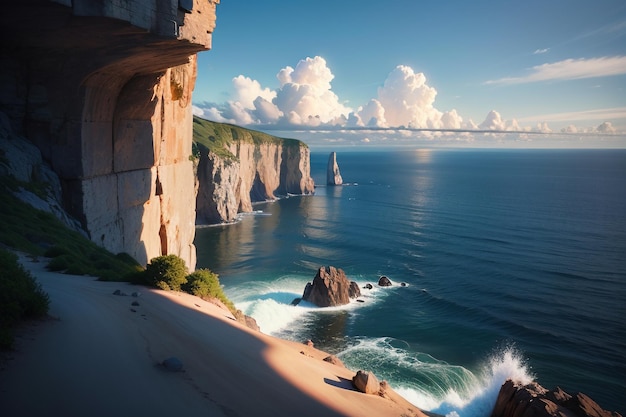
(237, 167)
(103, 89)
(333, 176)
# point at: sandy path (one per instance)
(100, 358)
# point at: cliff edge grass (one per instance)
(38, 233)
(216, 137)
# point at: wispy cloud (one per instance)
(576, 116)
(569, 69)
(541, 51)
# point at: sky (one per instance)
(428, 72)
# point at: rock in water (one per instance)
(330, 287)
(354, 291)
(333, 176)
(534, 400)
(384, 282)
(366, 382)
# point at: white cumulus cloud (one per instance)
(569, 129)
(606, 127)
(494, 121)
(371, 115)
(247, 90)
(305, 95)
(408, 100)
(404, 102)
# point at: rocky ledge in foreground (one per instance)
(330, 288)
(533, 400)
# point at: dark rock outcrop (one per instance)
(354, 291)
(384, 282)
(533, 400)
(333, 176)
(330, 287)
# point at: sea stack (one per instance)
(330, 288)
(333, 176)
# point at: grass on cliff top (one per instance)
(24, 228)
(217, 136)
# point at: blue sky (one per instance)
(328, 70)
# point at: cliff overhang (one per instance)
(103, 89)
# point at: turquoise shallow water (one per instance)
(515, 264)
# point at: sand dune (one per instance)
(100, 356)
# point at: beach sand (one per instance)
(98, 355)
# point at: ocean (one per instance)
(514, 263)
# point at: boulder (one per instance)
(242, 318)
(334, 360)
(329, 288)
(368, 286)
(384, 281)
(172, 364)
(366, 382)
(516, 400)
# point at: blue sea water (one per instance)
(514, 260)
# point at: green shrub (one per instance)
(167, 272)
(21, 296)
(59, 264)
(205, 284)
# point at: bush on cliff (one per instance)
(21, 296)
(205, 284)
(167, 272)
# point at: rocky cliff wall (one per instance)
(249, 172)
(103, 89)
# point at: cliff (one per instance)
(103, 89)
(237, 167)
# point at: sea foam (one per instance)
(270, 302)
(435, 385)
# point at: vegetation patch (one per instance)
(21, 297)
(216, 137)
(169, 272)
(205, 284)
(24, 228)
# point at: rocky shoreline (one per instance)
(533, 400)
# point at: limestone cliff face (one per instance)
(248, 171)
(103, 89)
